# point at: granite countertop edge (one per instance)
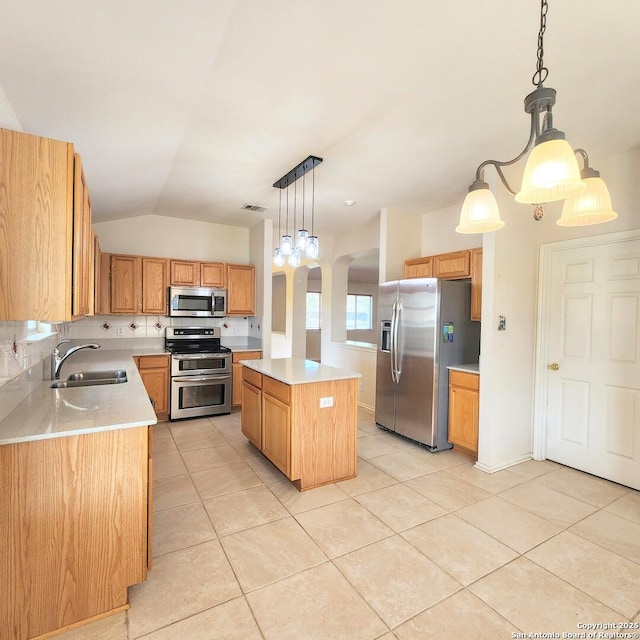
(293, 371)
(473, 367)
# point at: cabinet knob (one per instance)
(554, 366)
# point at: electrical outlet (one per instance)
(120, 331)
(326, 402)
(361, 386)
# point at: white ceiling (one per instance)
(194, 108)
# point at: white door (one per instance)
(591, 356)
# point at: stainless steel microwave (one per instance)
(198, 302)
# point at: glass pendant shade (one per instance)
(301, 241)
(551, 173)
(278, 258)
(313, 249)
(480, 212)
(286, 244)
(591, 206)
(294, 257)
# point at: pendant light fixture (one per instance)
(313, 248)
(305, 245)
(551, 172)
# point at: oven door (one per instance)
(193, 364)
(193, 396)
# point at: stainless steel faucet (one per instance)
(57, 360)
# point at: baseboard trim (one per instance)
(502, 465)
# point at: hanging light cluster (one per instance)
(551, 172)
(305, 244)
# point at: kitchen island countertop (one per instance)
(52, 413)
(298, 370)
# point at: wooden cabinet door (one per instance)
(185, 273)
(154, 285)
(463, 411)
(476, 284)
(276, 432)
(212, 274)
(452, 265)
(81, 269)
(126, 282)
(251, 413)
(418, 268)
(36, 212)
(103, 282)
(241, 289)
(236, 382)
(154, 371)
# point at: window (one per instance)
(359, 312)
(313, 311)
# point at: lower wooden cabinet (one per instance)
(251, 413)
(464, 411)
(74, 528)
(155, 374)
(236, 368)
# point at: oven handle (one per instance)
(200, 356)
(201, 378)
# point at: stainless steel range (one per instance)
(200, 372)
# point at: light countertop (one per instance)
(298, 370)
(51, 413)
(474, 367)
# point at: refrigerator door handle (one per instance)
(396, 349)
(392, 346)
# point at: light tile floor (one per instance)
(419, 545)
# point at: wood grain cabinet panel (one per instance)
(155, 272)
(213, 274)
(45, 217)
(155, 373)
(276, 431)
(185, 273)
(236, 369)
(476, 284)
(464, 411)
(251, 413)
(74, 528)
(455, 264)
(126, 284)
(418, 268)
(241, 289)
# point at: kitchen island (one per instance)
(75, 497)
(303, 417)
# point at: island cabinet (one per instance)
(46, 241)
(464, 411)
(307, 430)
(74, 528)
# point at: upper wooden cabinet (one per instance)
(138, 285)
(45, 217)
(241, 289)
(418, 268)
(452, 266)
(476, 284)
(455, 264)
(187, 273)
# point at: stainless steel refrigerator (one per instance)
(424, 325)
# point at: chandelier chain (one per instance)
(541, 71)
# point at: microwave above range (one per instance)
(197, 302)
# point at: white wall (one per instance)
(400, 238)
(370, 290)
(166, 237)
(437, 225)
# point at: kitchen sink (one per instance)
(90, 379)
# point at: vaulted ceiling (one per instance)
(194, 108)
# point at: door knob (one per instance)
(554, 366)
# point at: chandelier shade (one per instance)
(551, 174)
(480, 213)
(591, 206)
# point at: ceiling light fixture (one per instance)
(305, 244)
(551, 172)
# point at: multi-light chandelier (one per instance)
(551, 172)
(291, 250)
